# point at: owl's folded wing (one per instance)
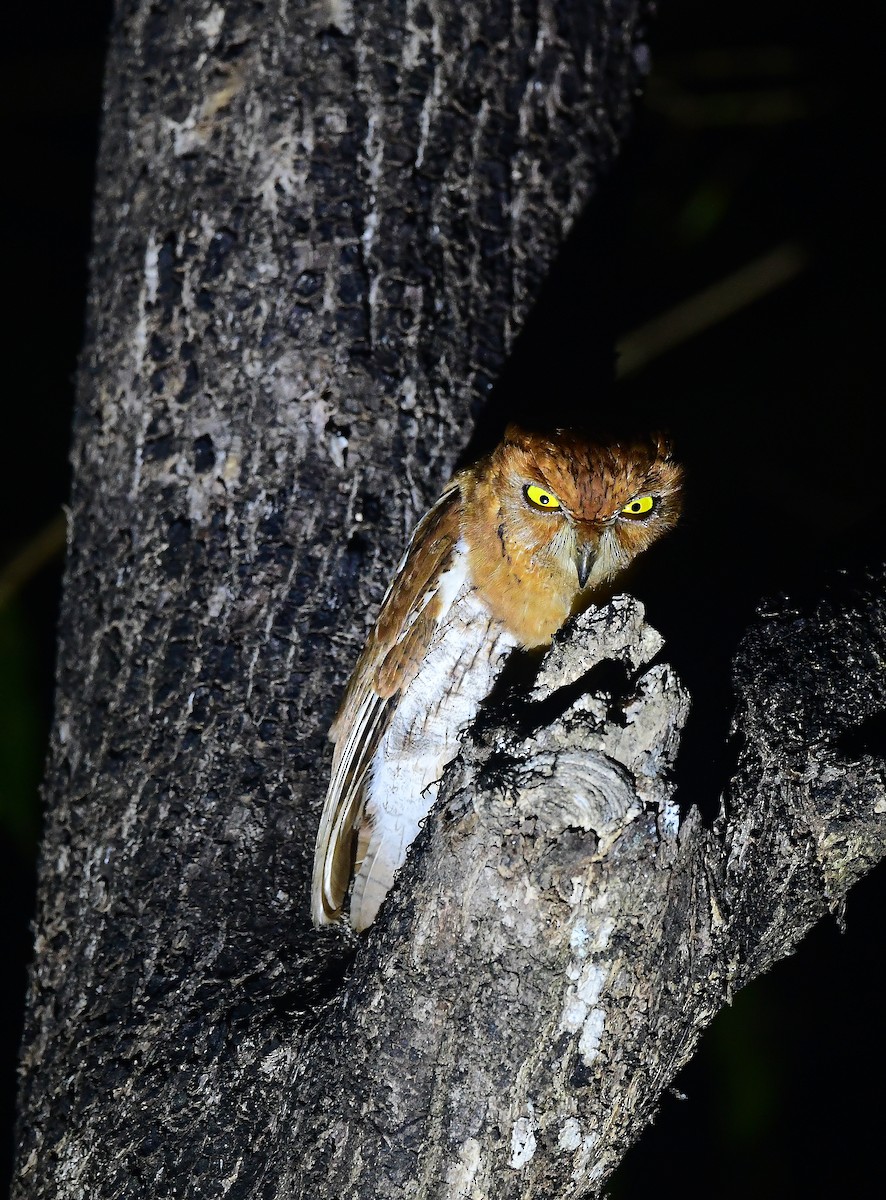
(395, 649)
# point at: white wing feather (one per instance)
(398, 641)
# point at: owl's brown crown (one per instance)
(593, 479)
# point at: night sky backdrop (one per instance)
(759, 130)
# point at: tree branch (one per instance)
(557, 946)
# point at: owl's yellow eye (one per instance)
(639, 507)
(539, 498)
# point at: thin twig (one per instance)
(33, 556)
(710, 306)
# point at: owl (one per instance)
(515, 544)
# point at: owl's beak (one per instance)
(585, 556)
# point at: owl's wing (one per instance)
(392, 656)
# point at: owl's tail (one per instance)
(381, 852)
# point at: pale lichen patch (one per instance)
(194, 132)
(591, 1035)
(211, 25)
(338, 448)
(522, 1141)
(278, 173)
(231, 469)
(580, 1014)
(570, 1135)
(584, 1168)
(341, 15)
(460, 1175)
(229, 1180)
(152, 273)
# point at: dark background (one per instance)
(759, 129)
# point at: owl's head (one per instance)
(598, 503)
(568, 513)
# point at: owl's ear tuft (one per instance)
(515, 435)
(664, 447)
(532, 439)
(518, 438)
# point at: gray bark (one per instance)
(319, 228)
(554, 951)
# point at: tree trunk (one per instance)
(319, 228)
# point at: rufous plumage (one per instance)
(514, 545)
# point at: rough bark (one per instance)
(552, 956)
(319, 227)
